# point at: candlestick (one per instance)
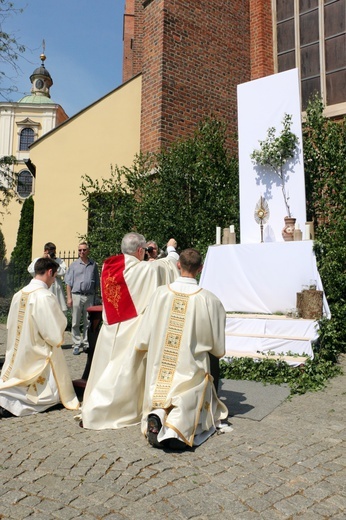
(225, 236)
(297, 234)
(232, 238)
(218, 235)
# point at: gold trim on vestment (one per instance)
(21, 313)
(171, 349)
(112, 291)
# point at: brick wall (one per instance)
(261, 38)
(128, 39)
(192, 55)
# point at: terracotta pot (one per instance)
(288, 230)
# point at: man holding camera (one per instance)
(152, 250)
(113, 395)
(57, 287)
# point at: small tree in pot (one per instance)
(276, 151)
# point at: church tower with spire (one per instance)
(22, 123)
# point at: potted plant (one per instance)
(275, 152)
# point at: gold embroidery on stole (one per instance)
(171, 349)
(21, 313)
(112, 291)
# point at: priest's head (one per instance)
(190, 262)
(45, 270)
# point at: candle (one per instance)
(218, 236)
(307, 231)
(231, 229)
(225, 236)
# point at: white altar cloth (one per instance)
(260, 278)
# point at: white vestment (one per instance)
(113, 395)
(57, 287)
(183, 324)
(35, 375)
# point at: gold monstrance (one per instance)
(262, 213)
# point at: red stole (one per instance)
(117, 300)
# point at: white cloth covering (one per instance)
(114, 392)
(35, 375)
(248, 334)
(181, 327)
(57, 287)
(261, 278)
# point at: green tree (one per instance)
(192, 189)
(276, 151)
(8, 183)
(110, 213)
(325, 167)
(184, 191)
(3, 264)
(21, 254)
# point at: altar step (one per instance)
(261, 336)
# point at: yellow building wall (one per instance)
(104, 134)
(9, 226)
(45, 117)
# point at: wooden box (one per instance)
(310, 304)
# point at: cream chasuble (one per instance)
(35, 375)
(113, 395)
(181, 327)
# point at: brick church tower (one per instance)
(192, 55)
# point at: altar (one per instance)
(258, 286)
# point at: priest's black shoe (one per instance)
(154, 425)
(4, 414)
(176, 444)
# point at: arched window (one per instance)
(27, 136)
(24, 184)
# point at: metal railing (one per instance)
(68, 257)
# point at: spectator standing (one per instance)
(57, 287)
(82, 283)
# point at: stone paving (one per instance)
(289, 465)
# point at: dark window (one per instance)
(335, 50)
(24, 184)
(320, 55)
(27, 136)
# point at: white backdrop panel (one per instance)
(262, 104)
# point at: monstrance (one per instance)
(262, 213)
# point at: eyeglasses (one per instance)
(80, 250)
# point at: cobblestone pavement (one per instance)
(289, 465)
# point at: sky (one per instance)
(83, 46)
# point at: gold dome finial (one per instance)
(43, 56)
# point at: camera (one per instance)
(149, 249)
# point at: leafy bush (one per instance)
(4, 306)
(311, 376)
(325, 167)
(182, 192)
